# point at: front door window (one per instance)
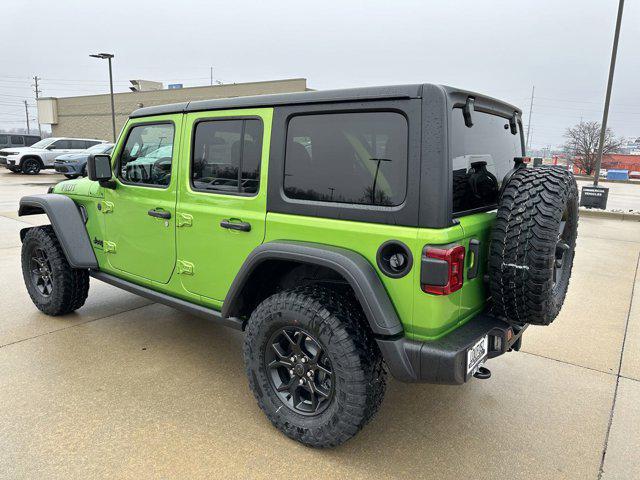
(147, 155)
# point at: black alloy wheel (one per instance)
(41, 274)
(299, 370)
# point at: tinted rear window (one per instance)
(357, 158)
(225, 162)
(481, 156)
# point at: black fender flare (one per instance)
(352, 266)
(67, 223)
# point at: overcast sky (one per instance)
(500, 48)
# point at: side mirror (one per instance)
(99, 167)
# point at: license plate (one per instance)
(477, 354)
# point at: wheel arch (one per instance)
(280, 257)
(31, 157)
(67, 223)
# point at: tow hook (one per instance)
(482, 373)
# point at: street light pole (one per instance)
(109, 56)
(605, 115)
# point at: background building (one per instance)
(90, 116)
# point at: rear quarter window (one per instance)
(481, 156)
(354, 158)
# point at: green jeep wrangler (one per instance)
(348, 233)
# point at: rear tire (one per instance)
(532, 245)
(315, 319)
(54, 287)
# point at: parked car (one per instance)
(15, 140)
(40, 155)
(74, 165)
(348, 233)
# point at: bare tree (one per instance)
(582, 144)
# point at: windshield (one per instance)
(100, 148)
(43, 143)
(481, 156)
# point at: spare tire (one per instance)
(532, 245)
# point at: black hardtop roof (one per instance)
(394, 92)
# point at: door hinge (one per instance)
(109, 247)
(184, 220)
(185, 268)
(105, 206)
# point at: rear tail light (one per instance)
(442, 269)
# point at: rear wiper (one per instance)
(467, 111)
(513, 123)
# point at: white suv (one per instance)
(31, 160)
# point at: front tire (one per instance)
(313, 365)
(30, 166)
(54, 287)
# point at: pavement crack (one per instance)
(615, 391)
(72, 326)
(16, 220)
(567, 363)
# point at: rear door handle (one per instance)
(154, 212)
(241, 226)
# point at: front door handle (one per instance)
(241, 226)
(159, 213)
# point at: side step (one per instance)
(178, 304)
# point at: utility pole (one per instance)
(211, 70)
(605, 114)
(26, 111)
(38, 92)
(526, 145)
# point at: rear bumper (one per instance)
(444, 360)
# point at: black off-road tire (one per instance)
(69, 286)
(30, 166)
(340, 328)
(532, 245)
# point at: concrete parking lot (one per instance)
(126, 388)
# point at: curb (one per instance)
(604, 180)
(631, 217)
